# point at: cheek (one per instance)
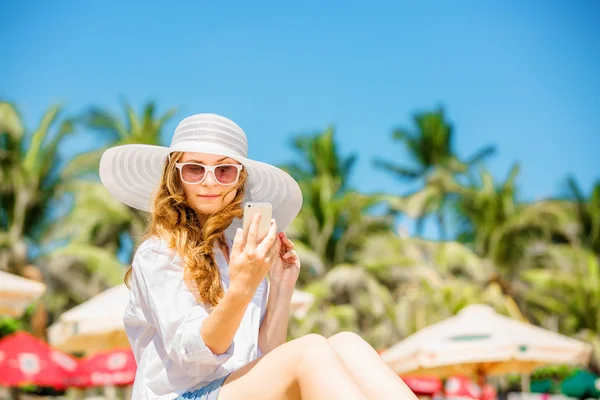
(189, 191)
(229, 198)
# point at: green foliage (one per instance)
(435, 163)
(554, 372)
(9, 325)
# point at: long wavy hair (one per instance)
(174, 221)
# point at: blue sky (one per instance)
(521, 75)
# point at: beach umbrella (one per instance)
(423, 385)
(108, 368)
(478, 342)
(17, 293)
(25, 359)
(462, 387)
(95, 325)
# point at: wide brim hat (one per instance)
(133, 172)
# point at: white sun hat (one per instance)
(132, 172)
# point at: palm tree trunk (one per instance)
(39, 319)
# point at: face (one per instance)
(206, 197)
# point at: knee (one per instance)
(312, 349)
(312, 342)
(346, 339)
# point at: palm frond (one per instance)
(481, 155)
(104, 122)
(399, 171)
(97, 261)
(10, 121)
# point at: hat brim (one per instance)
(132, 173)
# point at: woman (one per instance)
(203, 321)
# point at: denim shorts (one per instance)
(208, 392)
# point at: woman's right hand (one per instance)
(249, 263)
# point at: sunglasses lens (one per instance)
(226, 174)
(192, 173)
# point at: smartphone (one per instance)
(250, 210)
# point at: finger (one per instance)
(277, 246)
(268, 241)
(253, 232)
(272, 251)
(238, 240)
(288, 243)
(270, 255)
(282, 248)
(290, 256)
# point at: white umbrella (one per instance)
(94, 325)
(480, 342)
(17, 293)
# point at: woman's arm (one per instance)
(247, 268)
(220, 326)
(283, 277)
(273, 330)
(158, 285)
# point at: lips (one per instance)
(208, 196)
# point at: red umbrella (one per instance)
(423, 385)
(25, 359)
(111, 368)
(463, 387)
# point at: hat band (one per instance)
(196, 146)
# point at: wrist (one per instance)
(280, 289)
(240, 293)
(283, 285)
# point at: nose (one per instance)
(209, 179)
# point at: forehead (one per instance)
(205, 158)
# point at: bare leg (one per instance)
(306, 368)
(375, 378)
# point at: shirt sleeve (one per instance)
(170, 306)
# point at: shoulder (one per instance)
(155, 254)
(156, 245)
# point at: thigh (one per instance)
(263, 378)
(273, 376)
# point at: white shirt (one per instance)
(163, 321)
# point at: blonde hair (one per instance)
(176, 222)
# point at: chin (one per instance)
(208, 208)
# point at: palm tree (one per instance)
(350, 298)
(98, 222)
(587, 214)
(507, 232)
(31, 193)
(145, 128)
(332, 226)
(429, 280)
(30, 183)
(483, 207)
(430, 148)
(491, 219)
(335, 219)
(566, 293)
(319, 155)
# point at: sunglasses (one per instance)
(224, 174)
